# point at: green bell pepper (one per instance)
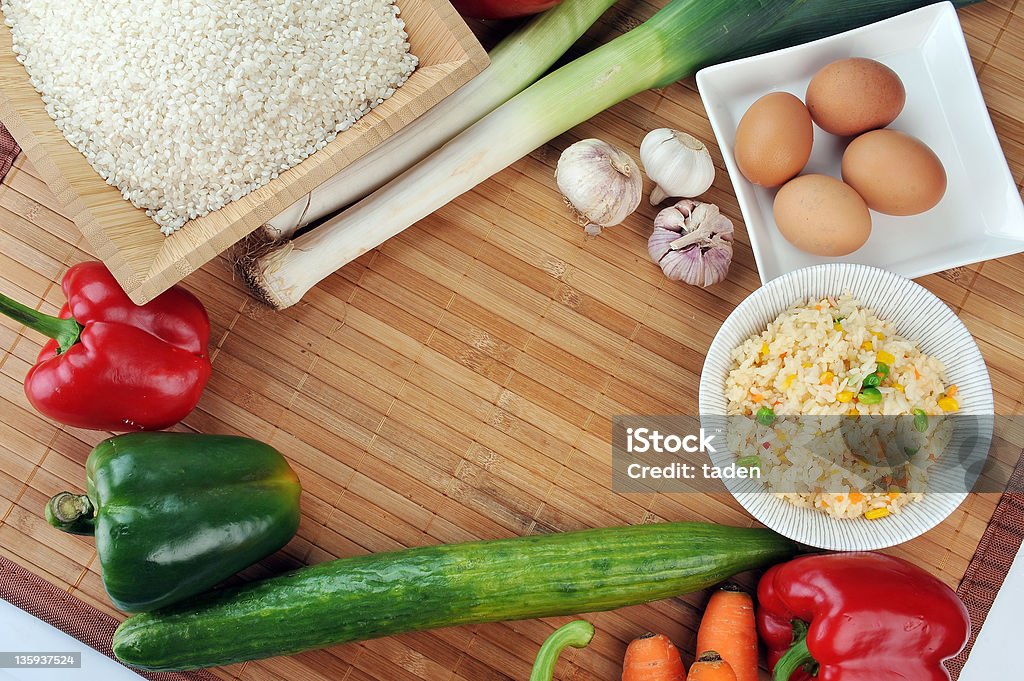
(176, 513)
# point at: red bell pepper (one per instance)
(501, 9)
(114, 365)
(858, 617)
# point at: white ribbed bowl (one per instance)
(918, 315)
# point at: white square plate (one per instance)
(980, 217)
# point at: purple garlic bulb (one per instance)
(692, 242)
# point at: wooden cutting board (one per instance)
(458, 382)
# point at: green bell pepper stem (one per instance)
(577, 634)
(72, 513)
(64, 331)
(797, 656)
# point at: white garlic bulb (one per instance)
(601, 183)
(692, 242)
(679, 164)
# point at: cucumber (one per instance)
(365, 597)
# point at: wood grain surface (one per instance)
(459, 382)
(146, 262)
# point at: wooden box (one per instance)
(144, 261)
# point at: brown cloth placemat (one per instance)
(57, 607)
(9, 151)
(991, 562)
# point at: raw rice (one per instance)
(812, 361)
(186, 105)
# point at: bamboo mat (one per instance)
(458, 382)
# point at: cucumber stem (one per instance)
(577, 634)
(72, 513)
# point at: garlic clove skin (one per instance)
(692, 242)
(679, 164)
(602, 184)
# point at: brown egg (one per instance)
(851, 96)
(821, 215)
(896, 173)
(773, 140)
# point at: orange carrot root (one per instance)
(711, 667)
(728, 627)
(653, 657)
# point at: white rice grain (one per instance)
(186, 105)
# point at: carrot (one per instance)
(728, 627)
(652, 657)
(711, 667)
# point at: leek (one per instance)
(516, 62)
(684, 36)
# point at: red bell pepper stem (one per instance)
(64, 331)
(797, 656)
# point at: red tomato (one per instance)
(501, 9)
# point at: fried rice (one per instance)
(834, 358)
